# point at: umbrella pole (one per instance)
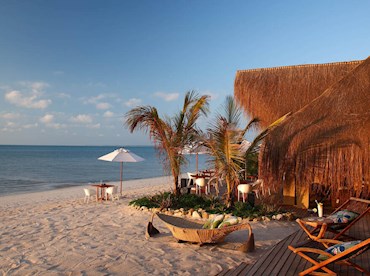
(196, 161)
(121, 176)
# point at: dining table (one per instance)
(100, 191)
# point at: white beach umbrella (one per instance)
(121, 155)
(195, 149)
(244, 146)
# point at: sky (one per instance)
(70, 70)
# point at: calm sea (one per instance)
(38, 168)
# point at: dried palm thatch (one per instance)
(327, 141)
(269, 93)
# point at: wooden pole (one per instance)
(121, 176)
(196, 161)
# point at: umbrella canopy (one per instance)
(121, 155)
(195, 149)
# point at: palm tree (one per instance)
(170, 135)
(223, 140)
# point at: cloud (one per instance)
(100, 101)
(108, 114)
(10, 116)
(35, 86)
(47, 119)
(168, 97)
(95, 99)
(28, 101)
(82, 118)
(63, 96)
(133, 102)
(103, 106)
(30, 126)
(96, 126)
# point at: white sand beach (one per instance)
(56, 233)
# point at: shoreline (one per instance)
(75, 192)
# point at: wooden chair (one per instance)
(358, 205)
(343, 258)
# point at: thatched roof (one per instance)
(328, 140)
(270, 93)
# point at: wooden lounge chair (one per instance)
(343, 258)
(357, 205)
(191, 231)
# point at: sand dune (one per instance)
(55, 233)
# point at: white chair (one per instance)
(190, 177)
(244, 189)
(88, 194)
(110, 193)
(199, 184)
(216, 182)
(257, 186)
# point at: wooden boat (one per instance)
(191, 231)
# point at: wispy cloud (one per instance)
(132, 102)
(47, 119)
(35, 86)
(82, 118)
(168, 97)
(103, 106)
(100, 101)
(108, 114)
(31, 100)
(63, 95)
(95, 126)
(28, 126)
(10, 116)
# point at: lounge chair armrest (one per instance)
(309, 250)
(328, 241)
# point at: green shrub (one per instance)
(212, 205)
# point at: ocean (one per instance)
(26, 169)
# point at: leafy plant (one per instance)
(170, 135)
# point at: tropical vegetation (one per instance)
(170, 134)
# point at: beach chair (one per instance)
(339, 221)
(357, 205)
(258, 186)
(111, 193)
(340, 253)
(190, 178)
(88, 194)
(244, 189)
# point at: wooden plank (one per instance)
(292, 258)
(238, 270)
(271, 258)
(281, 261)
(223, 272)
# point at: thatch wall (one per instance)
(270, 93)
(325, 142)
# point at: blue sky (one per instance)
(70, 70)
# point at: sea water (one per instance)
(38, 168)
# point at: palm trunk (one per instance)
(176, 189)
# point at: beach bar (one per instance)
(323, 146)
